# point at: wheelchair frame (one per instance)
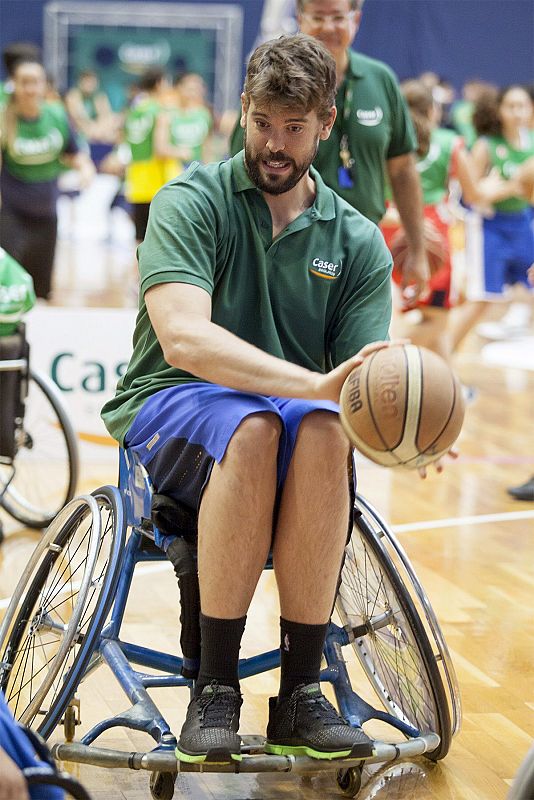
(130, 506)
(13, 498)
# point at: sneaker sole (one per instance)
(212, 756)
(358, 751)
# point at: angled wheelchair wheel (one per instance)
(59, 606)
(39, 776)
(394, 631)
(44, 471)
(523, 785)
(45, 772)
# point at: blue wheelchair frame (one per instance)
(143, 715)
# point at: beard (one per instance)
(276, 184)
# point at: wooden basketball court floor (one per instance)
(473, 549)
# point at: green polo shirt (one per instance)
(378, 126)
(313, 296)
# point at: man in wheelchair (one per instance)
(261, 290)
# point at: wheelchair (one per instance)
(65, 617)
(38, 446)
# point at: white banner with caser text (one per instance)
(84, 351)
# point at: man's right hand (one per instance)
(12, 783)
(328, 387)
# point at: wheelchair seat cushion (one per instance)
(173, 518)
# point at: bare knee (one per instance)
(256, 440)
(321, 434)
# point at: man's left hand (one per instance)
(438, 465)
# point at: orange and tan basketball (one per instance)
(402, 407)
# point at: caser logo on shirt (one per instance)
(325, 269)
(370, 117)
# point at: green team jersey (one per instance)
(190, 127)
(313, 296)
(33, 154)
(435, 167)
(372, 112)
(139, 128)
(506, 158)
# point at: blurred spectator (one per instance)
(92, 116)
(12, 53)
(154, 160)
(499, 240)
(36, 140)
(461, 113)
(191, 122)
(441, 157)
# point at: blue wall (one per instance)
(459, 39)
(489, 39)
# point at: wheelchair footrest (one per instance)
(165, 761)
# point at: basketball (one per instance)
(403, 406)
(436, 247)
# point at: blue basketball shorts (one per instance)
(499, 252)
(180, 432)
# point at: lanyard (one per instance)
(344, 152)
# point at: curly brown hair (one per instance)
(292, 72)
(486, 118)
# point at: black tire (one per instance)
(162, 785)
(523, 785)
(395, 651)
(44, 473)
(36, 616)
(350, 780)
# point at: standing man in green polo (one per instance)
(372, 140)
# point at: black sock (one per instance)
(301, 649)
(219, 652)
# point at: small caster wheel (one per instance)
(71, 718)
(162, 785)
(69, 724)
(349, 780)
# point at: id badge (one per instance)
(344, 178)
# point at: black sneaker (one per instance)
(209, 732)
(523, 492)
(306, 724)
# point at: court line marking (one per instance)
(147, 569)
(480, 519)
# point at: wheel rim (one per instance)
(50, 626)
(426, 612)
(369, 606)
